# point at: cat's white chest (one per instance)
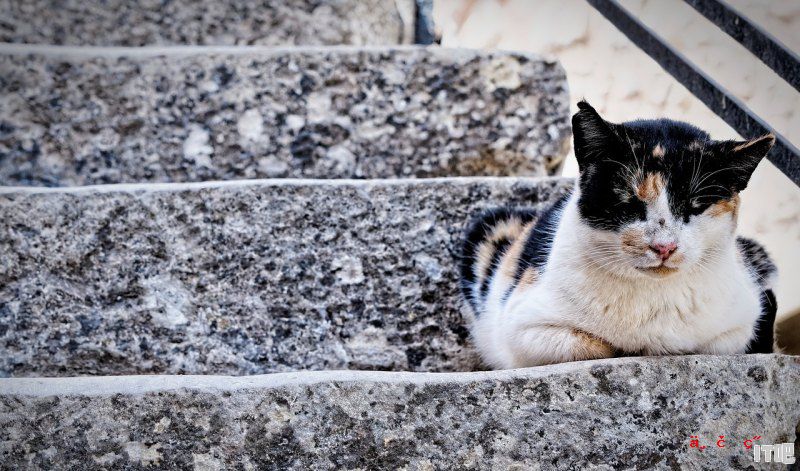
(703, 314)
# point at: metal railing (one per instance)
(424, 31)
(733, 111)
(761, 43)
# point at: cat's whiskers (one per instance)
(593, 254)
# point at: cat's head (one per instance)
(658, 197)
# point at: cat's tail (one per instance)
(487, 239)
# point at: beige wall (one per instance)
(623, 83)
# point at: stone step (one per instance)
(241, 277)
(78, 116)
(621, 413)
(207, 22)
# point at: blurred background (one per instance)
(623, 83)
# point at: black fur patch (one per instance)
(765, 327)
(757, 259)
(477, 231)
(537, 247)
(696, 170)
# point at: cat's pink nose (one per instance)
(664, 250)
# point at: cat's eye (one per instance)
(623, 194)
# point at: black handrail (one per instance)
(424, 31)
(733, 111)
(761, 43)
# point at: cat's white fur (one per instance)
(590, 286)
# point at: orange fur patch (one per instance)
(485, 252)
(649, 189)
(588, 346)
(730, 206)
(510, 230)
(508, 266)
(662, 270)
(528, 278)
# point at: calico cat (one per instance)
(641, 258)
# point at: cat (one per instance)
(641, 258)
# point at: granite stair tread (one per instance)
(606, 414)
(82, 116)
(207, 22)
(241, 277)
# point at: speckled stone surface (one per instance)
(206, 22)
(241, 277)
(77, 119)
(631, 413)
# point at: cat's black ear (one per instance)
(593, 136)
(742, 158)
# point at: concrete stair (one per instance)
(207, 22)
(241, 277)
(81, 116)
(165, 250)
(627, 413)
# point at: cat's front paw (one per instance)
(547, 344)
